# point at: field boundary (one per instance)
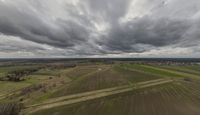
(81, 97)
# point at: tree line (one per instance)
(18, 75)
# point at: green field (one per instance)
(170, 99)
(119, 89)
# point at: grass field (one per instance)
(103, 77)
(171, 99)
(178, 98)
(7, 87)
(186, 69)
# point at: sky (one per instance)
(99, 28)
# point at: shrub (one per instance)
(10, 108)
(32, 88)
(188, 79)
(18, 75)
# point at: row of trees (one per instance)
(60, 66)
(18, 75)
(10, 108)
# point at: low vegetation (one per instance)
(34, 84)
(18, 75)
(170, 99)
(10, 108)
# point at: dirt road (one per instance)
(81, 97)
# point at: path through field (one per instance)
(76, 98)
(175, 72)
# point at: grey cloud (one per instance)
(74, 31)
(109, 9)
(166, 25)
(180, 9)
(145, 31)
(28, 25)
(67, 32)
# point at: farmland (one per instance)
(173, 99)
(101, 89)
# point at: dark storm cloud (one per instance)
(28, 25)
(98, 27)
(67, 33)
(146, 31)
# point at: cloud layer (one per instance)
(99, 28)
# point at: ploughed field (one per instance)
(100, 89)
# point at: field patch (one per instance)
(170, 99)
(103, 77)
(193, 69)
(153, 70)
